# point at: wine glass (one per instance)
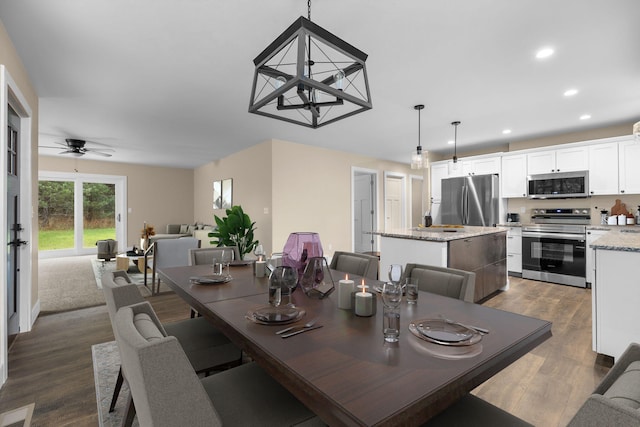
(259, 252)
(395, 273)
(392, 294)
(281, 283)
(227, 256)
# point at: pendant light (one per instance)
(455, 143)
(636, 131)
(419, 158)
(309, 77)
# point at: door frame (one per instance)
(403, 195)
(78, 179)
(10, 94)
(354, 171)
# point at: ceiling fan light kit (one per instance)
(309, 77)
(419, 158)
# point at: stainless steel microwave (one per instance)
(560, 185)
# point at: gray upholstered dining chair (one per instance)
(354, 263)
(448, 282)
(206, 347)
(198, 256)
(170, 253)
(166, 391)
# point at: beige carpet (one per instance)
(67, 284)
(71, 283)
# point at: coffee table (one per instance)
(123, 261)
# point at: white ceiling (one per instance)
(167, 82)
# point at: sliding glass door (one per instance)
(75, 211)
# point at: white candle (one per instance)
(261, 267)
(364, 304)
(345, 289)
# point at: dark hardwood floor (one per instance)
(52, 366)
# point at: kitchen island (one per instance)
(616, 290)
(478, 249)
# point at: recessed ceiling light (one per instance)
(585, 117)
(506, 131)
(545, 52)
(570, 92)
(450, 142)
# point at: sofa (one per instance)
(199, 231)
(616, 400)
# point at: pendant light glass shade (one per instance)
(419, 158)
(636, 131)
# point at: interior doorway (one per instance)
(394, 201)
(364, 209)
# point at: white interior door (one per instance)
(364, 210)
(394, 197)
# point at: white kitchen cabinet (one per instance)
(560, 160)
(629, 167)
(439, 171)
(592, 236)
(513, 179)
(514, 251)
(603, 169)
(616, 298)
(481, 166)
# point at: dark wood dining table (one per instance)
(345, 372)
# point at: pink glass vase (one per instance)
(300, 247)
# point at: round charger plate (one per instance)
(211, 279)
(444, 333)
(269, 315)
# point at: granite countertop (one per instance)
(619, 238)
(439, 233)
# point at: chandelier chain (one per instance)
(309, 10)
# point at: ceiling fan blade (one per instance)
(109, 150)
(48, 146)
(99, 153)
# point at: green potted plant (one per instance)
(236, 229)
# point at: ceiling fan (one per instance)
(76, 147)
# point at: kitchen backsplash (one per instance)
(524, 206)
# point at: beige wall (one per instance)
(10, 59)
(157, 195)
(303, 188)
(250, 170)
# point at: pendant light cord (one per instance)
(419, 127)
(309, 51)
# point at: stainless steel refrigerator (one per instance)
(471, 200)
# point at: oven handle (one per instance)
(579, 238)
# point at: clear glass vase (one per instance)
(316, 280)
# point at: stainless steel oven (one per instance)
(554, 247)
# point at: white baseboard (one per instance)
(35, 312)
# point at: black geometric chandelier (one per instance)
(309, 77)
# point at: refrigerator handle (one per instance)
(465, 204)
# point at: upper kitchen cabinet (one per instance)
(560, 160)
(481, 165)
(629, 171)
(514, 175)
(439, 171)
(603, 169)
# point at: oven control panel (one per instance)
(562, 216)
(563, 212)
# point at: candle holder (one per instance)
(346, 288)
(299, 248)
